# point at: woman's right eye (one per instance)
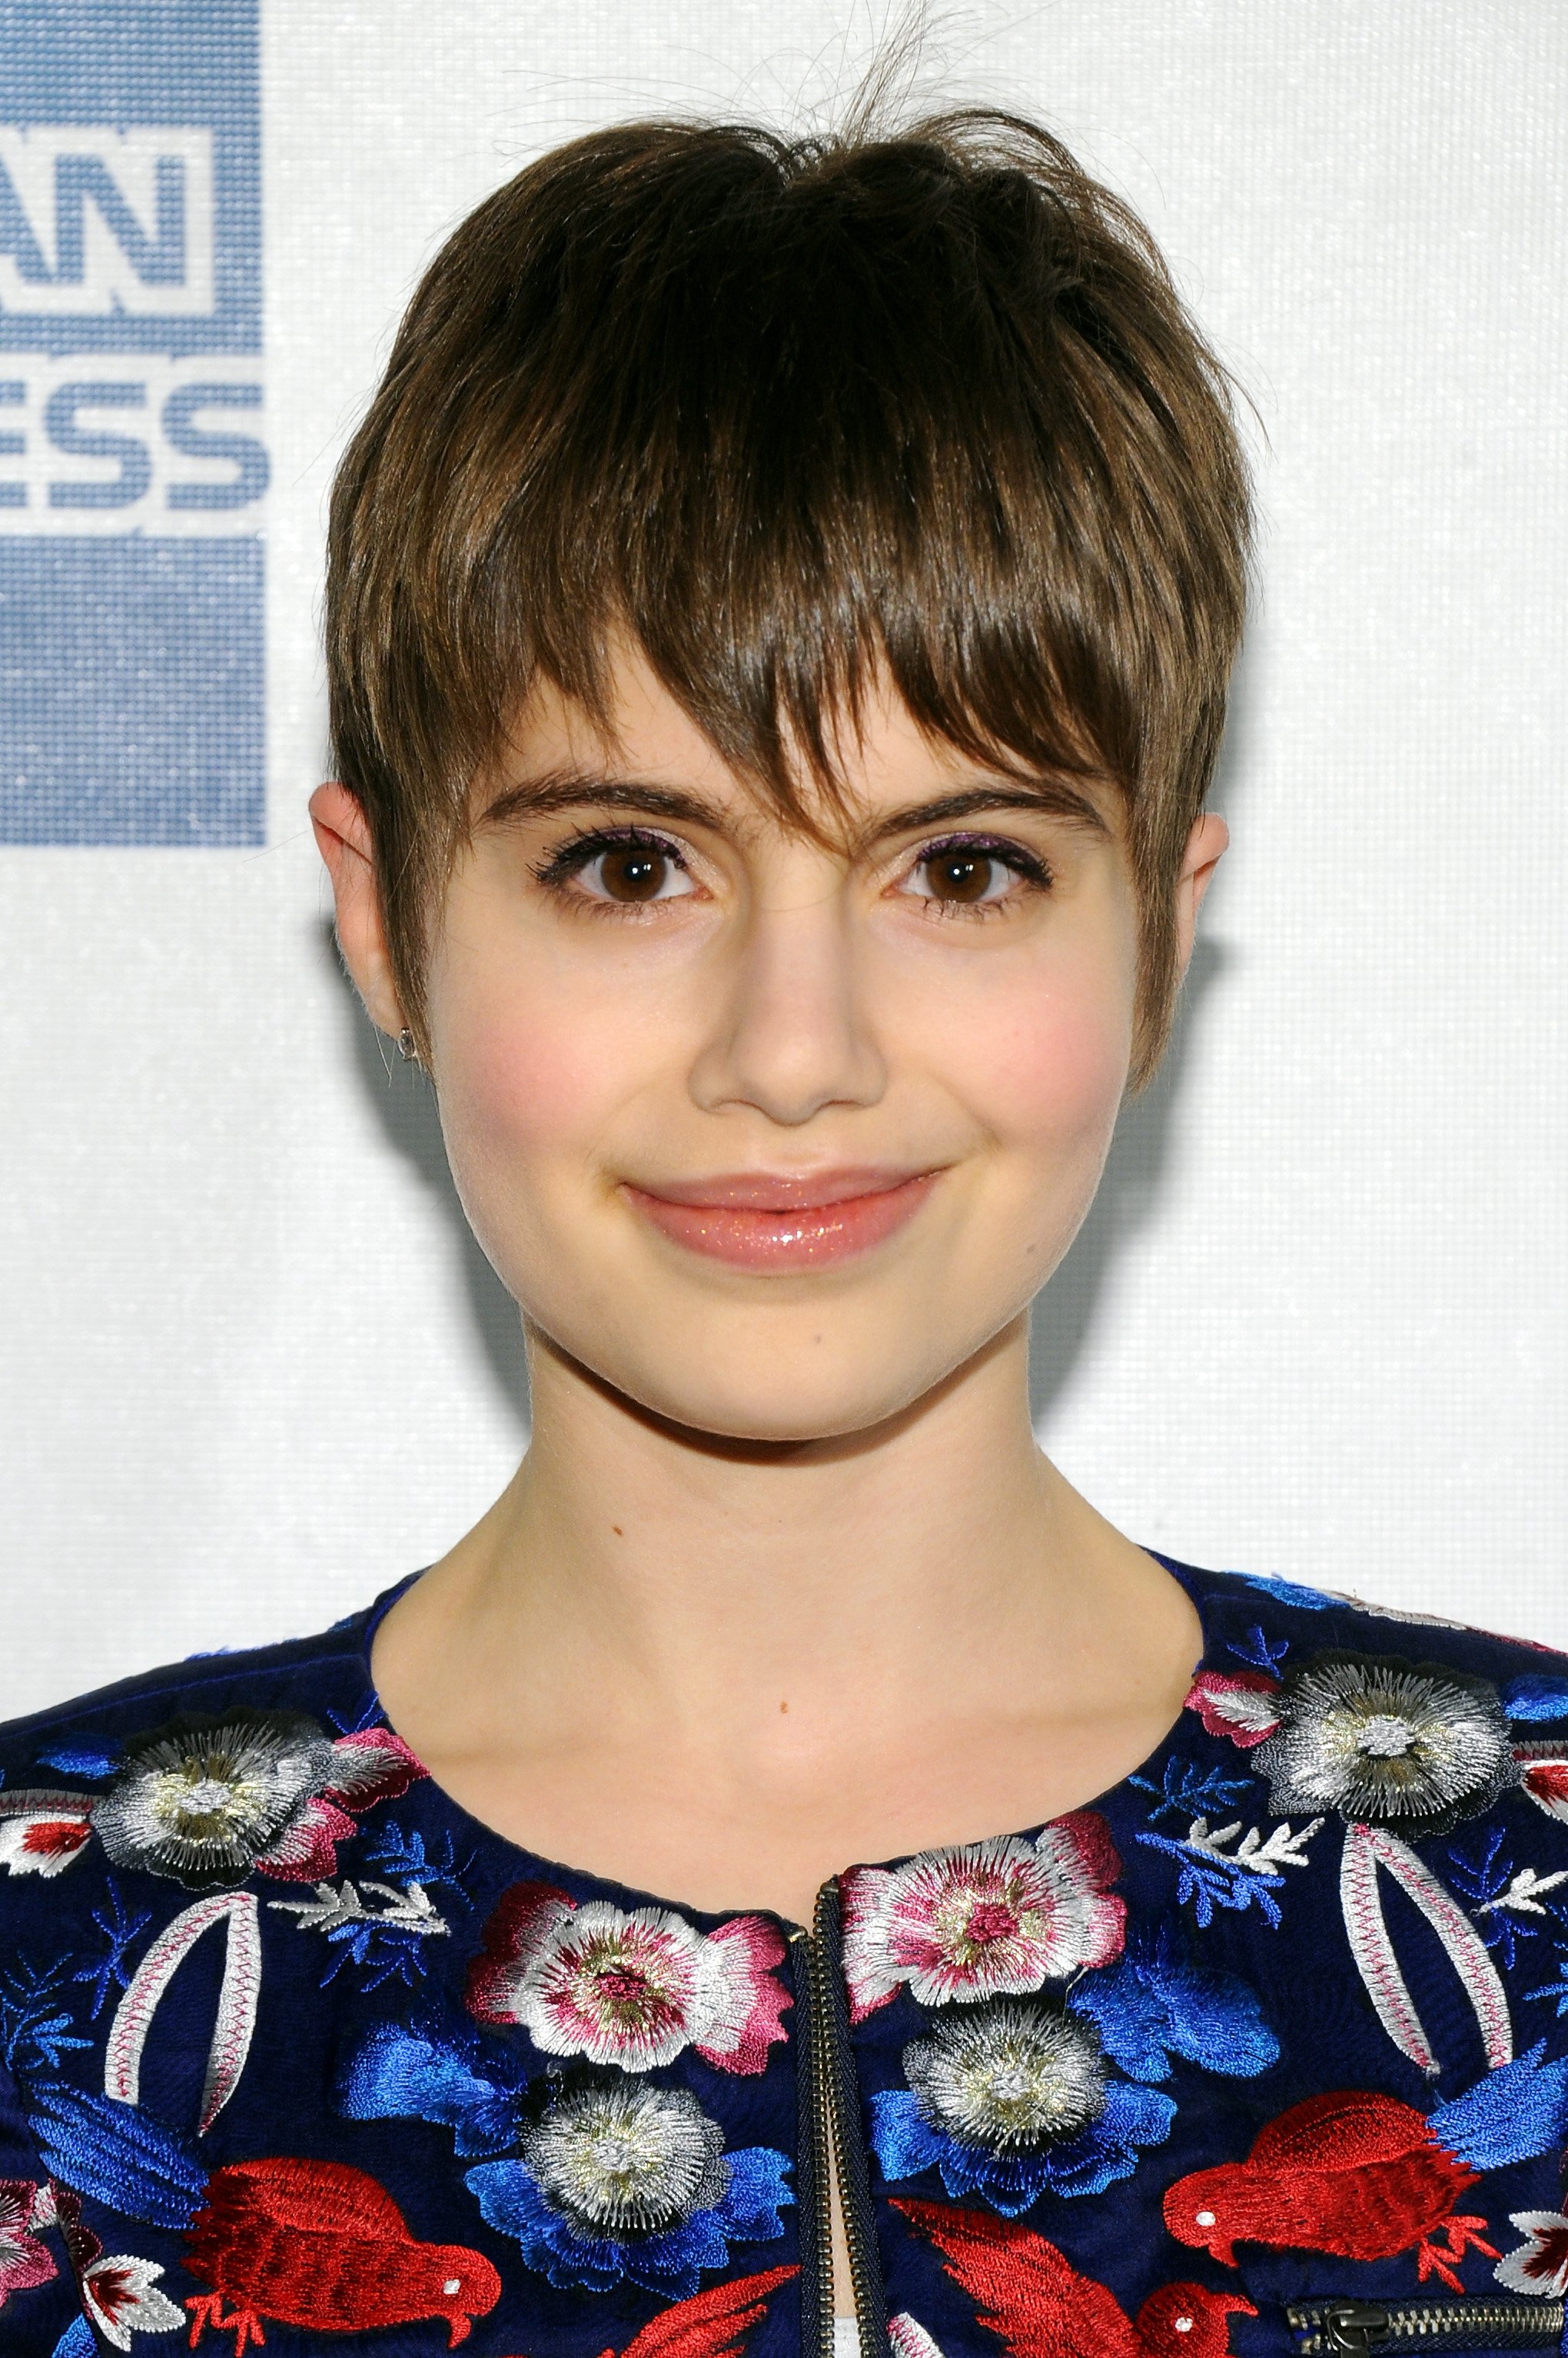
(628, 870)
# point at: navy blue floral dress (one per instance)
(1263, 2051)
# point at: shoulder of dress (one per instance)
(1249, 1616)
(324, 1676)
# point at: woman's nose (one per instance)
(789, 1034)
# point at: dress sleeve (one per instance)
(41, 2313)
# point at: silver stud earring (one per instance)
(406, 1047)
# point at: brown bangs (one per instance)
(792, 415)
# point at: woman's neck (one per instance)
(726, 1669)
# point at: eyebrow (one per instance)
(563, 790)
(571, 789)
(1051, 796)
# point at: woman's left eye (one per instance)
(966, 875)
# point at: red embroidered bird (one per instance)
(1364, 2175)
(1031, 2296)
(319, 2245)
(712, 2324)
(311, 2244)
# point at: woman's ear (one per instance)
(1206, 848)
(344, 839)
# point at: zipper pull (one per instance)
(1353, 2328)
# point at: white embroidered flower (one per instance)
(1386, 1744)
(627, 2159)
(203, 1802)
(123, 2298)
(41, 1834)
(1540, 2264)
(1011, 2078)
(210, 1802)
(631, 1987)
(992, 1919)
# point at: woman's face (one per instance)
(772, 1137)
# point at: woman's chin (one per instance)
(737, 1399)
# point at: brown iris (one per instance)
(960, 875)
(635, 871)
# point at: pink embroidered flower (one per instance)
(992, 1919)
(24, 2261)
(1242, 1705)
(1539, 2266)
(1544, 1773)
(629, 1987)
(910, 2339)
(210, 1801)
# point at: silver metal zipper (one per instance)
(1356, 2329)
(832, 2145)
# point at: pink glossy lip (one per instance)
(775, 1220)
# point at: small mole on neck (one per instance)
(783, 1706)
(618, 1531)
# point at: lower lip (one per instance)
(808, 1236)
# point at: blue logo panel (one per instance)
(131, 687)
(132, 457)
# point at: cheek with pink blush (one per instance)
(1050, 1072)
(530, 1085)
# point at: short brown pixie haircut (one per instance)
(795, 415)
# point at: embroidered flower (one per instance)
(625, 2160)
(630, 1987)
(1014, 2077)
(991, 1920)
(1242, 1705)
(41, 1833)
(1536, 1697)
(24, 2261)
(1011, 2099)
(1290, 1591)
(1385, 1742)
(1544, 1773)
(1539, 2266)
(615, 2179)
(910, 2339)
(120, 2296)
(1156, 2004)
(208, 1801)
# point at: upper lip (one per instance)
(777, 1191)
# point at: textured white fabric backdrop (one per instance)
(252, 1369)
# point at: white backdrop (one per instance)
(252, 1370)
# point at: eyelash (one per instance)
(556, 871)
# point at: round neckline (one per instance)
(1200, 1587)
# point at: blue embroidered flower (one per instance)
(625, 2179)
(1157, 2005)
(1012, 2100)
(1536, 1699)
(417, 2074)
(1288, 1592)
(599, 2178)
